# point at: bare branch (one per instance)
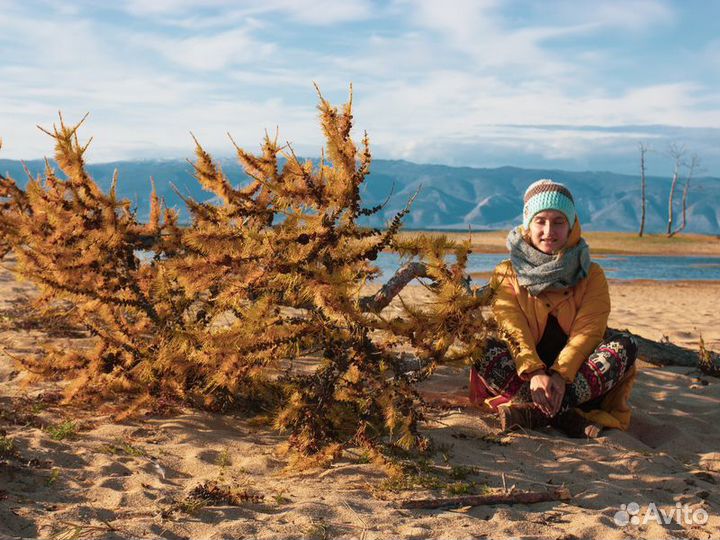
(676, 152)
(692, 168)
(513, 497)
(375, 303)
(643, 151)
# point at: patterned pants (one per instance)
(605, 367)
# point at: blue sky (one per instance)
(566, 84)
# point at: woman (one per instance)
(557, 365)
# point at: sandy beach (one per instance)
(71, 473)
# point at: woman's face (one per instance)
(549, 231)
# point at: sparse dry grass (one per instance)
(602, 242)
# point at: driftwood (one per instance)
(405, 274)
(664, 353)
(512, 497)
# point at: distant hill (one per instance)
(449, 198)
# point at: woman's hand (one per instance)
(557, 392)
(547, 391)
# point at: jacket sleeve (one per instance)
(588, 327)
(512, 319)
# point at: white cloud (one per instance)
(711, 54)
(142, 8)
(479, 32)
(493, 40)
(323, 12)
(137, 106)
(628, 15)
(215, 51)
(184, 13)
(449, 115)
(431, 83)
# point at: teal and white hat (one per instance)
(547, 195)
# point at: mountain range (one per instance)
(448, 198)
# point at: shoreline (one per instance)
(600, 253)
(618, 281)
(600, 242)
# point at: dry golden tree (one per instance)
(79, 246)
(259, 301)
(12, 200)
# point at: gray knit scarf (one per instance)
(538, 271)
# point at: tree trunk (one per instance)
(694, 162)
(670, 200)
(676, 152)
(643, 149)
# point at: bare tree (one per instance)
(676, 152)
(643, 151)
(692, 168)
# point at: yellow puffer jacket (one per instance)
(582, 312)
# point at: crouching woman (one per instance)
(557, 366)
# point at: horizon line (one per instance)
(225, 157)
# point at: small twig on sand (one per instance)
(517, 497)
(361, 520)
(79, 530)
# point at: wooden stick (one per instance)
(518, 497)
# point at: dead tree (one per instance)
(676, 152)
(692, 168)
(643, 150)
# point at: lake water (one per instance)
(661, 268)
(616, 266)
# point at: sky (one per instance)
(484, 83)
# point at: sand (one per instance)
(130, 479)
(678, 311)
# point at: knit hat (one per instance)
(547, 195)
